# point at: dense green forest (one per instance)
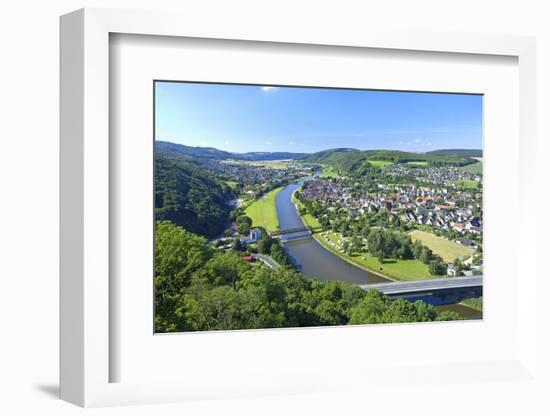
(458, 152)
(351, 162)
(189, 196)
(198, 288)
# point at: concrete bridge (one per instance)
(417, 287)
(294, 230)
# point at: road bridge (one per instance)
(426, 286)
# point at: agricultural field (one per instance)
(475, 168)
(448, 250)
(394, 269)
(417, 163)
(468, 184)
(380, 163)
(328, 172)
(265, 164)
(264, 212)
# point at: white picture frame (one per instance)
(86, 333)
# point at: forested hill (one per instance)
(189, 196)
(352, 162)
(458, 152)
(198, 153)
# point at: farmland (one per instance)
(448, 250)
(264, 212)
(380, 163)
(475, 168)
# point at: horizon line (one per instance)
(322, 150)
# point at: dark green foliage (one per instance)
(377, 308)
(190, 197)
(243, 228)
(438, 267)
(197, 289)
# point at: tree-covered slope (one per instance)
(198, 153)
(189, 196)
(354, 162)
(458, 152)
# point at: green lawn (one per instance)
(394, 269)
(468, 184)
(329, 172)
(475, 168)
(380, 163)
(264, 212)
(417, 163)
(448, 250)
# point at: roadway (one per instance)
(267, 260)
(426, 286)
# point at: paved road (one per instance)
(267, 260)
(421, 286)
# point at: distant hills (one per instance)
(212, 153)
(346, 161)
(458, 152)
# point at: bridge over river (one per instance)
(417, 287)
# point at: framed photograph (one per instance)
(256, 213)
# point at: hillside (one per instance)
(198, 153)
(458, 152)
(355, 162)
(188, 196)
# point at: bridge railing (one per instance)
(291, 230)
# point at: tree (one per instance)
(458, 266)
(376, 243)
(243, 228)
(425, 255)
(437, 267)
(417, 249)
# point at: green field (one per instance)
(394, 269)
(380, 163)
(264, 212)
(448, 250)
(475, 168)
(417, 163)
(328, 172)
(468, 184)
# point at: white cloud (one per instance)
(400, 142)
(291, 143)
(227, 142)
(428, 144)
(267, 142)
(417, 141)
(267, 89)
(203, 143)
(409, 143)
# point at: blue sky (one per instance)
(243, 118)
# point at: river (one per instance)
(316, 262)
(309, 256)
